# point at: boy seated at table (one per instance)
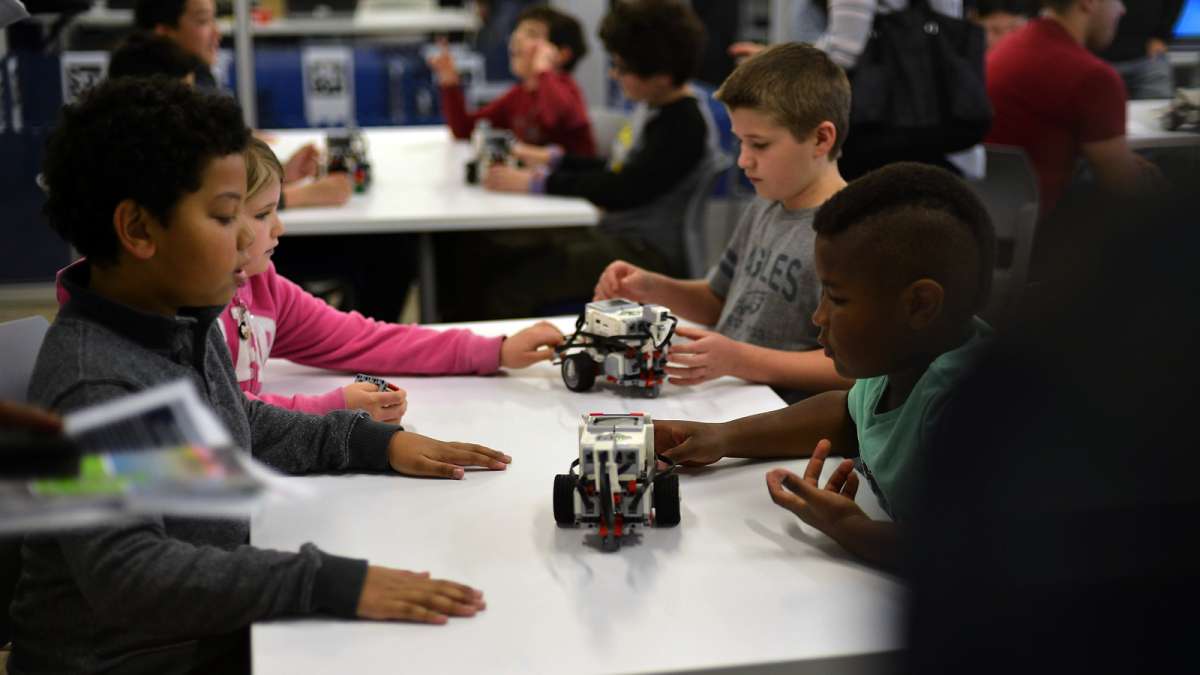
(162, 224)
(905, 257)
(790, 107)
(643, 187)
(546, 107)
(192, 24)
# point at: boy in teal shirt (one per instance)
(905, 257)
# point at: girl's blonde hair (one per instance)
(261, 166)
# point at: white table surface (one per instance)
(739, 584)
(1144, 131)
(383, 22)
(418, 185)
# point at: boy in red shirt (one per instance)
(1057, 100)
(546, 107)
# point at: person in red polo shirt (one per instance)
(1057, 100)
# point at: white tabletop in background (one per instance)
(1144, 130)
(740, 583)
(380, 22)
(419, 186)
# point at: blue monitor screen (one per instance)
(1189, 21)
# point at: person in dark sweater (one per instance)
(161, 223)
(643, 186)
(1139, 51)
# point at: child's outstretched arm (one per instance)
(691, 299)
(832, 510)
(530, 345)
(788, 432)
(710, 355)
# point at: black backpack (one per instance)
(918, 87)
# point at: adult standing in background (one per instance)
(1139, 51)
(847, 29)
(847, 26)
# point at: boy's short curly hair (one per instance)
(909, 221)
(150, 13)
(654, 37)
(146, 55)
(145, 139)
(563, 28)
(796, 85)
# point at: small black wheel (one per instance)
(579, 372)
(666, 501)
(653, 391)
(564, 499)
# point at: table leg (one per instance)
(427, 263)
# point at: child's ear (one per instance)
(923, 301)
(826, 135)
(132, 224)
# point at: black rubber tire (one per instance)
(666, 501)
(578, 372)
(564, 499)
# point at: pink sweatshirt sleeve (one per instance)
(314, 405)
(312, 333)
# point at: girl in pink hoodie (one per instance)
(271, 316)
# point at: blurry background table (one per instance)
(419, 187)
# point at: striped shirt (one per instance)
(849, 25)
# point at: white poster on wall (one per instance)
(328, 86)
(81, 71)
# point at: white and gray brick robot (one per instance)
(616, 486)
(620, 343)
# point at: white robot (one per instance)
(624, 343)
(618, 486)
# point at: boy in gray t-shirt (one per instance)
(790, 108)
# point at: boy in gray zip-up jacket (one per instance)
(161, 225)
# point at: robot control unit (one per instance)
(615, 484)
(621, 343)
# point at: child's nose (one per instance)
(743, 159)
(277, 228)
(245, 236)
(819, 316)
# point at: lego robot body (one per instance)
(618, 487)
(623, 343)
(612, 461)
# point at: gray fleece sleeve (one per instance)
(138, 576)
(298, 442)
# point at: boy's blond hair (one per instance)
(261, 166)
(795, 84)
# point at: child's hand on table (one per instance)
(302, 164)
(825, 509)
(330, 190)
(689, 443)
(531, 156)
(417, 455)
(708, 356)
(399, 595)
(530, 345)
(383, 406)
(504, 178)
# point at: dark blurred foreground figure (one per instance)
(1059, 529)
